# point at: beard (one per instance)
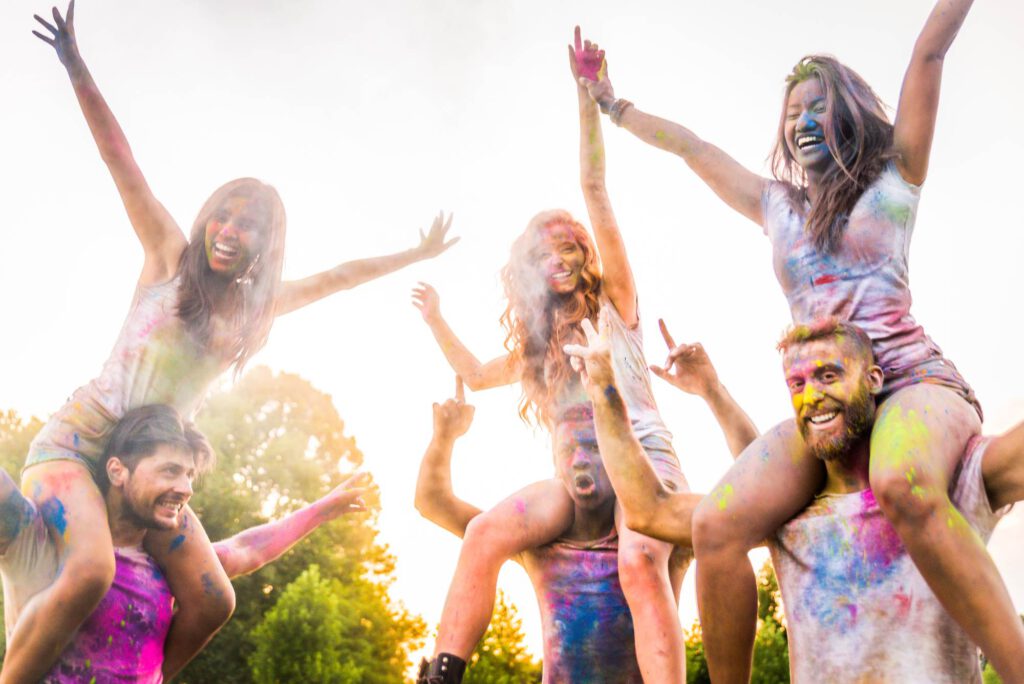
(140, 514)
(858, 419)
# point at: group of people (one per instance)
(875, 500)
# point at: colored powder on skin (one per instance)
(15, 513)
(898, 440)
(177, 542)
(53, 513)
(209, 588)
(520, 506)
(723, 496)
(660, 135)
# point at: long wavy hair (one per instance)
(249, 297)
(858, 135)
(538, 322)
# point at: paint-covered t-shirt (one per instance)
(123, 639)
(857, 609)
(155, 360)
(866, 281)
(588, 629)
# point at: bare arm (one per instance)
(477, 375)
(617, 280)
(296, 294)
(16, 511)
(648, 506)
(435, 499)
(162, 240)
(251, 549)
(689, 369)
(735, 185)
(1003, 468)
(914, 127)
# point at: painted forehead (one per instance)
(555, 234)
(576, 431)
(832, 350)
(806, 90)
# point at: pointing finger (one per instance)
(666, 334)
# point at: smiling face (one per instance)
(579, 465)
(804, 130)
(156, 491)
(832, 387)
(234, 235)
(558, 258)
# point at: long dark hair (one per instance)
(858, 135)
(539, 322)
(250, 297)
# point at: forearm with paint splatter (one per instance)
(648, 506)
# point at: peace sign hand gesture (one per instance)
(593, 360)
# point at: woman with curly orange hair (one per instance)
(553, 282)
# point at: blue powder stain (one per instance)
(209, 587)
(177, 542)
(53, 513)
(75, 440)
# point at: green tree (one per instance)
(324, 630)
(696, 663)
(501, 657)
(280, 444)
(771, 645)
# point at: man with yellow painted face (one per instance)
(857, 608)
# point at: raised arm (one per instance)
(585, 59)
(919, 97)
(734, 184)
(296, 294)
(477, 375)
(162, 240)
(647, 505)
(251, 549)
(435, 499)
(688, 368)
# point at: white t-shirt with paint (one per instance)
(857, 609)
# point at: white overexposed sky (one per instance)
(369, 117)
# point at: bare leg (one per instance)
(651, 572)
(771, 481)
(533, 516)
(918, 440)
(201, 589)
(74, 510)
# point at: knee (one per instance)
(713, 532)
(486, 539)
(84, 582)
(217, 605)
(907, 496)
(642, 566)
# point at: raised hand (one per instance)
(426, 299)
(590, 70)
(593, 361)
(62, 35)
(687, 366)
(433, 243)
(347, 497)
(453, 418)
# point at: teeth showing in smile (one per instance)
(561, 275)
(224, 251)
(823, 417)
(808, 140)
